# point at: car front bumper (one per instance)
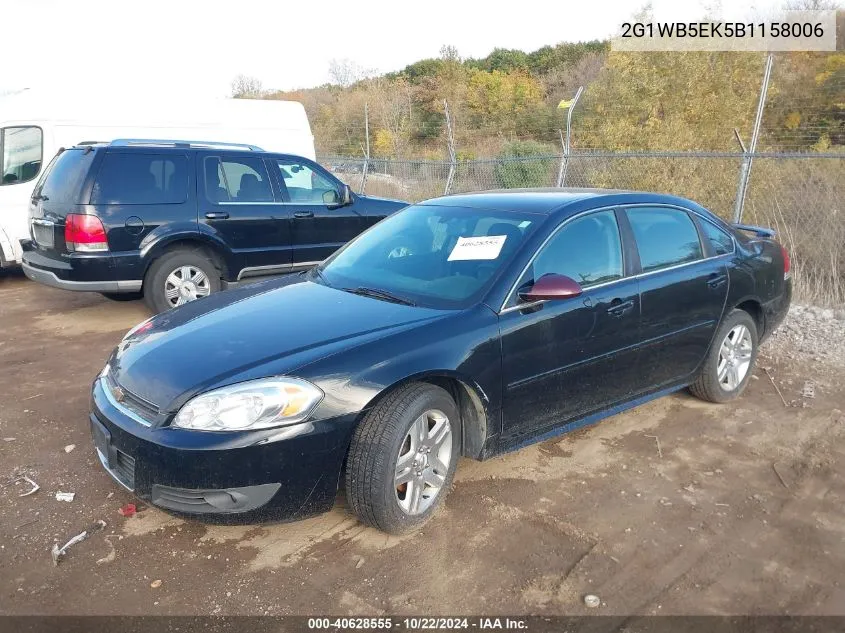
(274, 474)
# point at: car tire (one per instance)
(123, 296)
(384, 438)
(724, 374)
(200, 269)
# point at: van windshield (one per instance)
(63, 180)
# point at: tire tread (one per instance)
(706, 385)
(371, 447)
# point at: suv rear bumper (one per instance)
(59, 274)
(50, 279)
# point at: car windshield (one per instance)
(434, 256)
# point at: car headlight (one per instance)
(256, 404)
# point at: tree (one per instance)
(390, 103)
(346, 73)
(246, 87)
(498, 97)
(449, 53)
(519, 165)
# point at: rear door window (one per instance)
(141, 179)
(63, 181)
(237, 180)
(665, 237)
(720, 242)
(21, 155)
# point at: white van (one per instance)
(35, 124)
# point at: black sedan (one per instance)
(467, 325)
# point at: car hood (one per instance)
(250, 334)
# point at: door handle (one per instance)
(216, 215)
(716, 279)
(618, 307)
(303, 214)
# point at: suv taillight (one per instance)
(85, 233)
(787, 263)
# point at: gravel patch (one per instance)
(810, 333)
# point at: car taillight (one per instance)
(85, 233)
(787, 263)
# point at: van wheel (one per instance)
(179, 277)
(403, 458)
(123, 296)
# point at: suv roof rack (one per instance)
(149, 142)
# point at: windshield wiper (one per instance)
(379, 294)
(316, 272)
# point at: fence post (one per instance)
(748, 156)
(564, 159)
(453, 161)
(366, 150)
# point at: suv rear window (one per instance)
(63, 180)
(141, 179)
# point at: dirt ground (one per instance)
(676, 507)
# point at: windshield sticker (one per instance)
(485, 247)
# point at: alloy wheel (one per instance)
(186, 283)
(423, 462)
(734, 357)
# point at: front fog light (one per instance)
(256, 404)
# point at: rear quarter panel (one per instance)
(756, 274)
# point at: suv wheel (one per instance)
(403, 458)
(178, 277)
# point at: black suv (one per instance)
(174, 221)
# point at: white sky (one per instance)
(198, 46)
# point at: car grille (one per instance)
(217, 501)
(124, 469)
(144, 412)
(181, 499)
(139, 406)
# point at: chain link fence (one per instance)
(800, 195)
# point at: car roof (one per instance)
(548, 201)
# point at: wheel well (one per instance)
(753, 307)
(473, 416)
(211, 252)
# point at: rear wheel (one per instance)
(179, 277)
(403, 458)
(730, 361)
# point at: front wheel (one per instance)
(179, 277)
(403, 458)
(730, 361)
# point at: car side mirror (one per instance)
(551, 286)
(334, 199)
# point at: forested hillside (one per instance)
(632, 101)
(507, 107)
